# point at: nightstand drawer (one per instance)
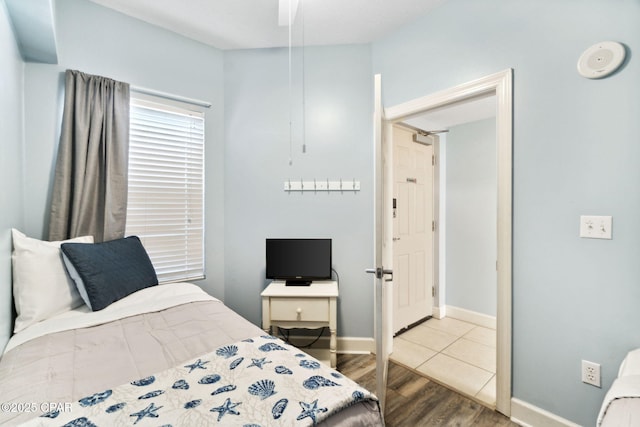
(300, 309)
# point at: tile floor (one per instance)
(457, 354)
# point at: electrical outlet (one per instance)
(591, 373)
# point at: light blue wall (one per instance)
(576, 152)
(471, 209)
(11, 143)
(339, 145)
(100, 41)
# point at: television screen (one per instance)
(298, 261)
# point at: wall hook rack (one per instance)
(321, 185)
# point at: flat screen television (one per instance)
(298, 261)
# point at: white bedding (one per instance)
(151, 331)
(626, 386)
(259, 381)
(148, 300)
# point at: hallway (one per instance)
(457, 354)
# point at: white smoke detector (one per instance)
(601, 59)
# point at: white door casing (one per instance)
(412, 229)
(501, 85)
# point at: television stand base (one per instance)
(298, 283)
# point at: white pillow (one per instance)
(631, 364)
(41, 286)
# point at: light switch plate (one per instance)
(595, 227)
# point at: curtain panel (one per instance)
(90, 183)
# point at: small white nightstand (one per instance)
(308, 307)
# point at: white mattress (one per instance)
(146, 300)
(621, 405)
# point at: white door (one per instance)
(382, 212)
(412, 229)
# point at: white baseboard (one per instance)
(528, 415)
(439, 312)
(471, 316)
(352, 345)
(346, 345)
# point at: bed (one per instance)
(621, 405)
(168, 355)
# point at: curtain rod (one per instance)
(171, 96)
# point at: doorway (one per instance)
(500, 86)
(457, 347)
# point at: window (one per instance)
(166, 187)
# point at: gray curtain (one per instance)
(90, 184)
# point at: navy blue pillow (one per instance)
(109, 271)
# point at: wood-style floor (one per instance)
(415, 401)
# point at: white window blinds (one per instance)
(166, 187)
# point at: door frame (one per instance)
(501, 85)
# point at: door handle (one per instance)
(388, 273)
(379, 272)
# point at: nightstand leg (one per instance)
(332, 348)
(266, 316)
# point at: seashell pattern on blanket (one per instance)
(80, 422)
(271, 346)
(51, 414)
(283, 370)
(209, 379)
(116, 407)
(316, 381)
(236, 362)
(252, 383)
(180, 385)
(227, 351)
(151, 394)
(144, 381)
(279, 407)
(94, 399)
(223, 389)
(192, 404)
(309, 364)
(263, 389)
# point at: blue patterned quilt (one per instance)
(255, 382)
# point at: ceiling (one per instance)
(251, 24)
(248, 24)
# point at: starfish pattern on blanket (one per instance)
(149, 411)
(220, 393)
(310, 410)
(198, 364)
(228, 407)
(259, 362)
